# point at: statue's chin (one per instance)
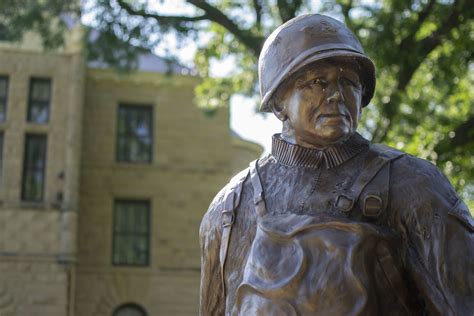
(319, 137)
(330, 138)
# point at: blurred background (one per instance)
(120, 120)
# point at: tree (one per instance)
(423, 51)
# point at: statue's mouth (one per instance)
(332, 117)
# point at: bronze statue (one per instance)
(328, 223)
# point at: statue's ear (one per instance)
(279, 109)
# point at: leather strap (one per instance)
(231, 202)
(377, 158)
(374, 198)
(258, 194)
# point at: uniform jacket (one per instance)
(431, 227)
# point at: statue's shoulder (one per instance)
(406, 169)
(417, 182)
(418, 189)
(233, 185)
(385, 152)
(403, 163)
(227, 197)
(415, 171)
(235, 188)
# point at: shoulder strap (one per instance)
(377, 157)
(373, 199)
(230, 203)
(258, 194)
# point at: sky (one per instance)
(250, 125)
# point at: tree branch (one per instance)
(257, 5)
(424, 14)
(419, 22)
(211, 13)
(431, 41)
(426, 45)
(463, 135)
(252, 42)
(345, 9)
(287, 9)
(168, 19)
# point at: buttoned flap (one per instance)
(460, 211)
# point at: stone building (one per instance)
(104, 178)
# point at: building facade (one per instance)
(104, 180)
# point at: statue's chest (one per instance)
(314, 265)
(307, 193)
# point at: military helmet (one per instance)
(302, 41)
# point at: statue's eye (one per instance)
(318, 82)
(349, 82)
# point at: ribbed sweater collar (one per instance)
(293, 155)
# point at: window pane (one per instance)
(120, 220)
(122, 250)
(142, 124)
(3, 110)
(36, 155)
(134, 133)
(140, 223)
(130, 249)
(34, 164)
(33, 186)
(3, 86)
(39, 112)
(3, 97)
(140, 249)
(131, 232)
(39, 100)
(40, 90)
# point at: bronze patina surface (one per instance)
(328, 223)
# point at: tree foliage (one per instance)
(422, 49)
(42, 17)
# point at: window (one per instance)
(34, 165)
(3, 97)
(129, 310)
(131, 233)
(134, 133)
(39, 100)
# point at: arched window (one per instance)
(129, 310)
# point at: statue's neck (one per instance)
(291, 154)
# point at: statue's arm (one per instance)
(212, 301)
(437, 233)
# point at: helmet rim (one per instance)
(315, 54)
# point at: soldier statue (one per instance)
(328, 223)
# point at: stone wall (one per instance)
(33, 285)
(192, 160)
(37, 240)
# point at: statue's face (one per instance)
(320, 105)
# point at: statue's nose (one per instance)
(335, 96)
